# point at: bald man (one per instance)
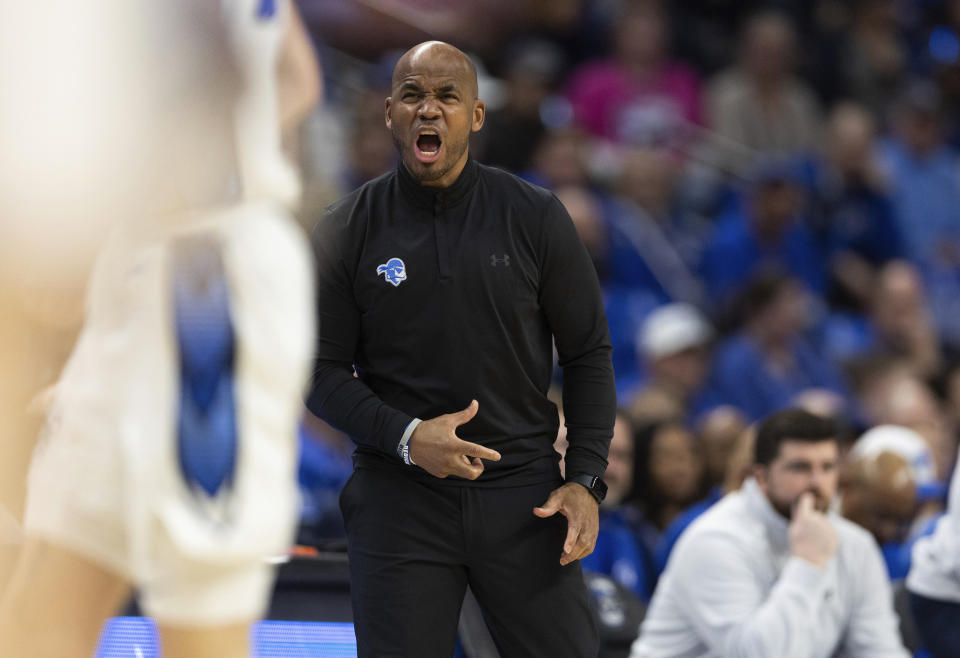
(444, 284)
(881, 497)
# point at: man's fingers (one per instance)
(475, 450)
(468, 469)
(570, 543)
(804, 504)
(465, 415)
(549, 508)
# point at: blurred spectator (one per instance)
(873, 56)
(759, 103)
(923, 171)
(706, 32)
(852, 208)
(718, 432)
(915, 451)
(880, 496)
(370, 151)
(511, 133)
(902, 319)
(725, 442)
(638, 96)
(769, 361)
(655, 242)
(587, 214)
(899, 324)
(559, 159)
(910, 402)
(674, 344)
(325, 466)
(765, 230)
(667, 478)
(769, 571)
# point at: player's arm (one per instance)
(299, 84)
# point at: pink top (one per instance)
(609, 102)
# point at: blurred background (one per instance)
(770, 192)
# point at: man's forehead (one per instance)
(803, 449)
(427, 80)
(433, 60)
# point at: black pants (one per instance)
(938, 625)
(414, 546)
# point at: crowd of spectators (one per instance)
(770, 193)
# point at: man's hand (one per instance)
(583, 519)
(436, 448)
(812, 536)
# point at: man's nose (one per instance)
(429, 108)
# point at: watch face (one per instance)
(600, 487)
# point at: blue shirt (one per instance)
(734, 254)
(620, 555)
(741, 377)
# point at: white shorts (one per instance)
(106, 480)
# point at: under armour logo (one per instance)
(505, 261)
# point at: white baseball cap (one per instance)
(908, 444)
(673, 328)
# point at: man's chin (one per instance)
(423, 172)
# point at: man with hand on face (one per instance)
(769, 570)
(443, 285)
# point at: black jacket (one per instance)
(440, 296)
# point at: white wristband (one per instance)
(403, 448)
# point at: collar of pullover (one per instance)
(777, 527)
(445, 197)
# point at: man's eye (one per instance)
(449, 97)
(411, 96)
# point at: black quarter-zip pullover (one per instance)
(441, 295)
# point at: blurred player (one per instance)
(168, 459)
(934, 580)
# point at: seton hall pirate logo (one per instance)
(394, 271)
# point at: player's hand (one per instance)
(812, 536)
(436, 448)
(583, 519)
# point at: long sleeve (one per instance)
(570, 297)
(336, 395)
(731, 611)
(873, 629)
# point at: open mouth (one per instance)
(427, 147)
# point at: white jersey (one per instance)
(257, 29)
(106, 480)
(935, 561)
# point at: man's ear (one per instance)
(479, 114)
(386, 113)
(760, 474)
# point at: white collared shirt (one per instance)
(731, 588)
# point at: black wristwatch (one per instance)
(593, 483)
